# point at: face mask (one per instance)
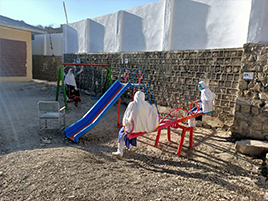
(200, 88)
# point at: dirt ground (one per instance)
(31, 169)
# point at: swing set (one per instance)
(61, 77)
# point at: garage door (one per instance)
(13, 55)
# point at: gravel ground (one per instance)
(62, 170)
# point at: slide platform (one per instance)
(92, 117)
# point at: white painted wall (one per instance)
(258, 25)
(108, 32)
(76, 37)
(169, 25)
(142, 28)
(208, 24)
(38, 45)
(41, 44)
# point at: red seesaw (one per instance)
(175, 122)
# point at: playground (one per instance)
(50, 166)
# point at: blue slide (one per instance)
(92, 117)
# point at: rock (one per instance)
(46, 140)
(44, 89)
(225, 156)
(212, 122)
(251, 147)
(263, 95)
(262, 179)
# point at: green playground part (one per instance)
(61, 78)
(106, 78)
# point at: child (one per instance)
(73, 93)
(206, 102)
(145, 119)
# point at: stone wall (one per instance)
(173, 75)
(251, 111)
(45, 68)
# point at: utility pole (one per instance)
(65, 12)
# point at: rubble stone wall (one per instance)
(173, 75)
(45, 67)
(251, 110)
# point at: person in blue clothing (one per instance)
(139, 114)
(206, 102)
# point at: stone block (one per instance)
(255, 134)
(236, 69)
(229, 69)
(240, 94)
(256, 103)
(256, 87)
(230, 77)
(260, 119)
(234, 85)
(263, 96)
(233, 53)
(243, 85)
(237, 108)
(264, 113)
(265, 135)
(256, 126)
(251, 147)
(227, 61)
(228, 84)
(265, 127)
(247, 93)
(236, 61)
(255, 110)
(245, 109)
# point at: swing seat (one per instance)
(76, 99)
(73, 99)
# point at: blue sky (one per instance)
(51, 12)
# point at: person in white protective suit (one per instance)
(72, 92)
(145, 118)
(206, 102)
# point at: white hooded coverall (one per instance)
(144, 116)
(206, 101)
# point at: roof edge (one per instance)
(32, 30)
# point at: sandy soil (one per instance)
(63, 170)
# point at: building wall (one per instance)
(167, 25)
(209, 24)
(41, 44)
(142, 28)
(258, 26)
(251, 111)
(15, 35)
